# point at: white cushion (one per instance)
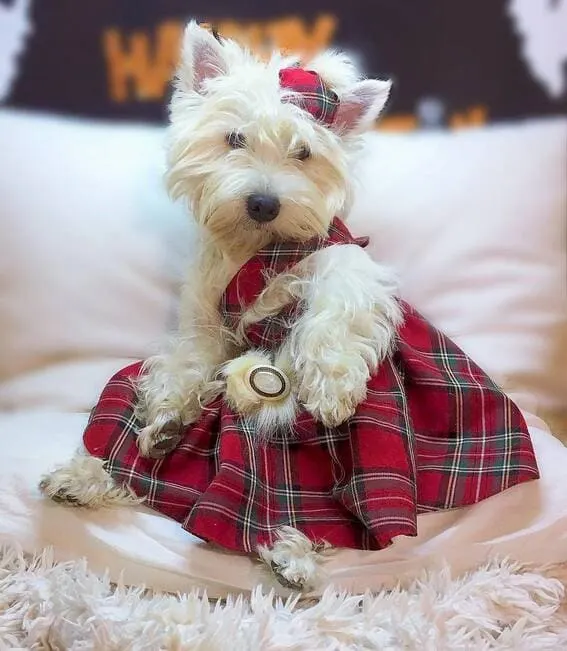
(92, 250)
(475, 221)
(527, 523)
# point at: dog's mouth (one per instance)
(254, 226)
(235, 232)
(232, 226)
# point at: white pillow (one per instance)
(475, 222)
(91, 250)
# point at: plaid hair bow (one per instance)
(310, 93)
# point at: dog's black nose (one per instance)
(263, 207)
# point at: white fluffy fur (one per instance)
(498, 607)
(345, 332)
(350, 316)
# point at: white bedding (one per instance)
(528, 523)
(90, 262)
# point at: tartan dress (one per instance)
(433, 433)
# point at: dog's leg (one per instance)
(295, 561)
(175, 385)
(347, 329)
(83, 481)
(172, 390)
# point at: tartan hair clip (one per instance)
(310, 93)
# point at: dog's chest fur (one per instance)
(205, 282)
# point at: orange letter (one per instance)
(133, 70)
(247, 34)
(397, 123)
(473, 117)
(291, 34)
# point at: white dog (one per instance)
(254, 170)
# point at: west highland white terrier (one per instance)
(256, 167)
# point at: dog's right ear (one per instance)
(361, 105)
(202, 58)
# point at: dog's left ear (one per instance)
(361, 105)
(202, 58)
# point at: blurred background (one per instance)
(464, 189)
(455, 62)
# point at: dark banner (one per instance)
(454, 62)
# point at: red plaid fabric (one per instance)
(251, 279)
(434, 433)
(306, 89)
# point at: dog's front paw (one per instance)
(331, 391)
(83, 481)
(160, 437)
(162, 422)
(294, 560)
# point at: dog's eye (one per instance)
(303, 153)
(236, 140)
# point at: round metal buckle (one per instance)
(268, 382)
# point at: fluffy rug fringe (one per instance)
(64, 606)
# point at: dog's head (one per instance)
(261, 150)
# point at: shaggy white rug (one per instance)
(50, 606)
